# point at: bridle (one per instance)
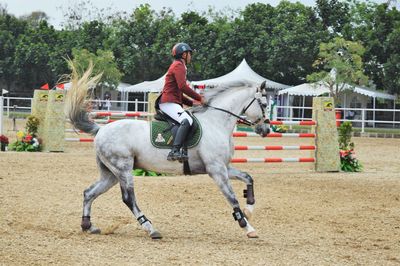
(242, 120)
(262, 106)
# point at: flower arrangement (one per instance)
(348, 161)
(27, 141)
(3, 142)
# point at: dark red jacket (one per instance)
(175, 86)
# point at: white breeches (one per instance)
(176, 112)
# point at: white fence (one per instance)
(23, 105)
(359, 117)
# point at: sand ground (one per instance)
(302, 217)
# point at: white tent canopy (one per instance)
(316, 89)
(121, 86)
(146, 86)
(242, 72)
(306, 89)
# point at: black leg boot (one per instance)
(184, 155)
(180, 137)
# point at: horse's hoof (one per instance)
(247, 213)
(156, 235)
(93, 230)
(252, 234)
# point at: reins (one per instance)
(241, 119)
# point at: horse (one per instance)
(125, 144)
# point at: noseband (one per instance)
(241, 119)
(259, 104)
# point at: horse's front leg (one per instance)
(248, 193)
(219, 173)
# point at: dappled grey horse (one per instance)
(125, 145)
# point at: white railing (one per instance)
(10, 106)
(26, 106)
(359, 118)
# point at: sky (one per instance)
(56, 8)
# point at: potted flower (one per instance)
(348, 160)
(25, 142)
(3, 142)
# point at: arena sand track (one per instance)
(302, 217)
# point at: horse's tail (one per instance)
(78, 102)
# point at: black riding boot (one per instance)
(180, 137)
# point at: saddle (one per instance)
(163, 130)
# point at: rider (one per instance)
(172, 98)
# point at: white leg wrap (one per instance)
(148, 227)
(250, 207)
(248, 227)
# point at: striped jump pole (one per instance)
(291, 123)
(274, 135)
(271, 135)
(79, 139)
(275, 148)
(120, 114)
(273, 160)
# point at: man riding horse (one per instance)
(172, 98)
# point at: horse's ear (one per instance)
(262, 87)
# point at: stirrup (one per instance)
(174, 155)
(184, 156)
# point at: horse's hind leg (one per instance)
(122, 168)
(128, 197)
(234, 173)
(106, 181)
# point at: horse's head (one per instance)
(255, 111)
(239, 98)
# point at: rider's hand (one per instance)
(203, 100)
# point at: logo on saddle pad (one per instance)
(161, 135)
(159, 138)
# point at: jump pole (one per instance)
(324, 131)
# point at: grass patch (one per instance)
(18, 115)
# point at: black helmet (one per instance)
(179, 49)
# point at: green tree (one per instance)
(103, 62)
(139, 43)
(279, 43)
(295, 37)
(33, 57)
(391, 69)
(375, 26)
(334, 14)
(93, 36)
(339, 64)
(10, 29)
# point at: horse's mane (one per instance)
(213, 93)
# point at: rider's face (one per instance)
(187, 56)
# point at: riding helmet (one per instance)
(179, 49)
